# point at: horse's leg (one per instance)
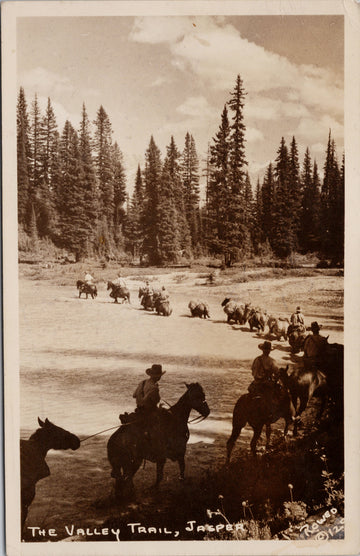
(238, 424)
(159, 472)
(255, 438)
(181, 462)
(268, 435)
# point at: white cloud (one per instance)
(215, 52)
(198, 107)
(156, 30)
(46, 83)
(161, 80)
(253, 135)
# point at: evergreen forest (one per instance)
(73, 191)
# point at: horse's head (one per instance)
(57, 438)
(226, 301)
(283, 375)
(109, 285)
(79, 284)
(197, 398)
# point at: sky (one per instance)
(166, 76)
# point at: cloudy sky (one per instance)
(165, 76)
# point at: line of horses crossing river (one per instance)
(126, 447)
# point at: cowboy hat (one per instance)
(298, 309)
(155, 371)
(315, 326)
(266, 346)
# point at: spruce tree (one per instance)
(90, 197)
(134, 228)
(119, 187)
(283, 239)
(218, 191)
(104, 172)
(190, 178)
(268, 205)
(310, 206)
(23, 161)
(295, 191)
(238, 232)
(168, 225)
(152, 179)
(175, 185)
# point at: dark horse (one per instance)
(261, 410)
(87, 289)
(126, 449)
(118, 292)
(32, 455)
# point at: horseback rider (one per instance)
(88, 279)
(265, 371)
(146, 291)
(297, 321)
(314, 348)
(147, 413)
(119, 281)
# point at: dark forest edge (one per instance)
(72, 193)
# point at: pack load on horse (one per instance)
(155, 435)
(278, 327)
(258, 318)
(199, 309)
(267, 401)
(86, 288)
(162, 303)
(236, 311)
(32, 458)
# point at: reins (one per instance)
(100, 432)
(195, 420)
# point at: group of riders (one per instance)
(265, 371)
(148, 415)
(119, 281)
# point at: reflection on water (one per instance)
(87, 402)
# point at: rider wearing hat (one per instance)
(314, 347)
(297, 320)
(264, 370)
(147, 393)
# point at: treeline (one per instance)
(291, 210)
(72, 189)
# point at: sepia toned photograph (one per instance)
(176, 206)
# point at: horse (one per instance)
(258, 319)
(296, 338)
(87, 289)
(120, 292)
(32, 455)
(278, 327)
(235, 311)
(148, 299)
(199, 309)
(163, 307)
(260, 410)
(303, 384)
(127, 448)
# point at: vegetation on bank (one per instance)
(73, 192)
